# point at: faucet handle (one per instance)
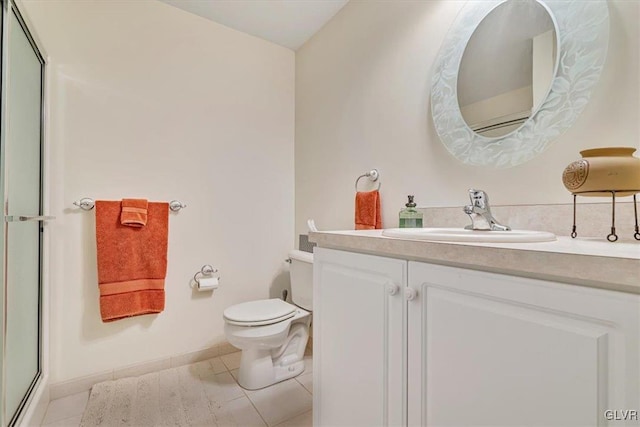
(479, 199)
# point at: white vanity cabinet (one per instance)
(359, 362)
(459, 347)
(493, 349)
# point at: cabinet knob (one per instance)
(392, 289)
(410, 293)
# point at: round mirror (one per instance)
(507, 67)
(582, 32)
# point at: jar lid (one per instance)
(608, 151)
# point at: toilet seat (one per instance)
(259, 313)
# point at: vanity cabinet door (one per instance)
(359, 367)
(492, 349)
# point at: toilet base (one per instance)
(261, 368)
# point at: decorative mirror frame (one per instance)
(582, 31)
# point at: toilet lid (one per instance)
(261, 311)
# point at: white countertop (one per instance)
(583, 261)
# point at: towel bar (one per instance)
(87, 204)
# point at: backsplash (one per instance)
(304, 244)
(593, 220)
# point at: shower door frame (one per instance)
(35, 392)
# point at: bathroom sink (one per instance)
(472, 236)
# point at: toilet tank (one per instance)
(301, 273)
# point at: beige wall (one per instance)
(150, 101)
(362, 102)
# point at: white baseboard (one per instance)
(78, 385)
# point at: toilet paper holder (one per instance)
(206, 271)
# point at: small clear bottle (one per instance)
(410, 217)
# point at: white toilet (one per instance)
(272, 333)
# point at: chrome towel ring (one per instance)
(373, 175)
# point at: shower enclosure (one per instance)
(21, 234)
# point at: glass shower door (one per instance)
(22, 151)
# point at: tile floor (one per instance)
(286, 404)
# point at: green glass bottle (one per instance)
(410, 217)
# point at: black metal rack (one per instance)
(612, 237)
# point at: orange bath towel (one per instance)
(134, 212)
(368, 214)
(132, 261)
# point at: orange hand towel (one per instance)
(134, 212)
(132, 261)
(368, 210)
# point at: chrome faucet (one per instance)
(480, 213)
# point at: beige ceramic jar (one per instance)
(602, 170)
